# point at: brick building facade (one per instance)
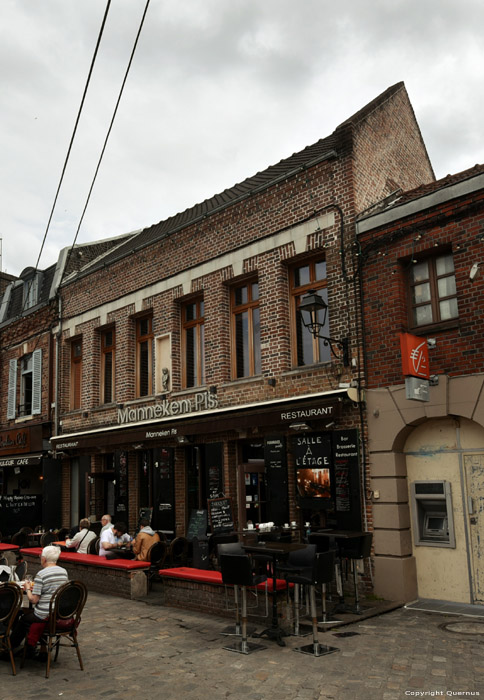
(426, 456)
(185, 371)
(30, 478)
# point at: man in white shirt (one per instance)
(106, 523)
(81, 540)
(113, 538)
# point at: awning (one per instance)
(21, 461)
(277, 412)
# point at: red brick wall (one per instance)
(457, 225)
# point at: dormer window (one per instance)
(31, 279)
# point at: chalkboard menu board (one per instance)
(198, 525)
(18, 511)
(275, 459)
(347, 481)
(221, 517)
(121, 490)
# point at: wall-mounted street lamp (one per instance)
(313, 310)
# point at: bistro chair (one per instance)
(21, 570)
(20, 539)
(320, 572)
(93, 546)
(62, 534)
(48, 538)
(10, 603)
(66, 606)
(355, 549)
(237, 572)
(178, 551)
(157, 555)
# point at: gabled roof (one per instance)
(321, 150)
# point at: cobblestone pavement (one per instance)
(134, 650)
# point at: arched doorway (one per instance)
(445, 462)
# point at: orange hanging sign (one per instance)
(415, 356)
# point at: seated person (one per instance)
(106, 523)
(81, 540)
(144, 539)
(47, 580)
(113, 539)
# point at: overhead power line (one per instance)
(107, 136)
(75, 129)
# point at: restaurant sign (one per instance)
(201, 401)
(14, 441)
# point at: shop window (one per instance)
(107, 365)
(144, 356)
(76, 373)
(30, 396)
(246, 342)
(432, 291)
(193, 339)
(306, 349)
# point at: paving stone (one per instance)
(142, 651)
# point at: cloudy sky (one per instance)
(218, 90)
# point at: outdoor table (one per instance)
(277, 551)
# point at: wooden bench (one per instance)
(204, 591)
(121, 577)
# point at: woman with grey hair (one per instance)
(46, 582)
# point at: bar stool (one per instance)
(297, 570)
(236, 549)
(237, 572)
(355, 549)
(324, 544)
(321, 572)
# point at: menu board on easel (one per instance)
(220, 513)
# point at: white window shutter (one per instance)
(12, 390)
(36, 381)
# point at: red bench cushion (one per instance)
(203, 576)
(94, 560)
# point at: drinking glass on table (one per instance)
(28, 581)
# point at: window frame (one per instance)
(141, 339)
(321, 353)
(198, 324)
(254, 353)
(435, 300)
(26, 385)
(105, 351)
(76, 374)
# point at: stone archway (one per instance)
(397, 427)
